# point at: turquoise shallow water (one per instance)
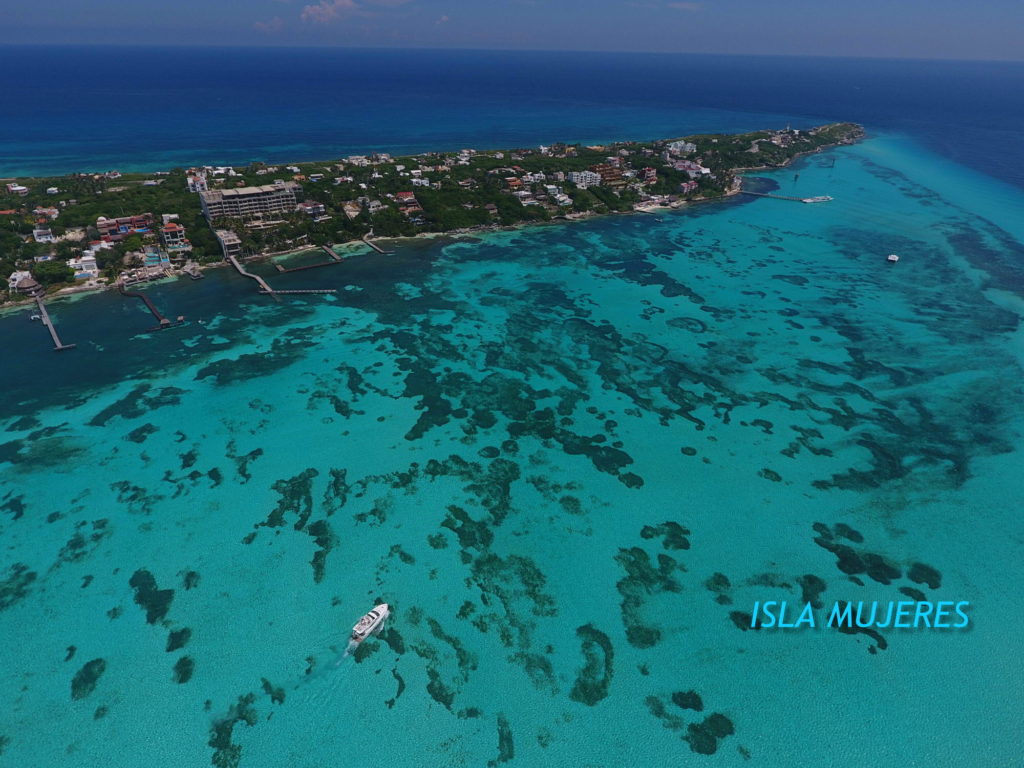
(572, 457)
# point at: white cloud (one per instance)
(327, 10)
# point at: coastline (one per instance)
(735, 188)
(69, 292)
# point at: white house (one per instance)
(584, 179)
(16, 277)
(85, 267)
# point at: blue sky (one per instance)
(983, 29)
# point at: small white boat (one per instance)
(370, 623)
(892, 258)
(816, 199)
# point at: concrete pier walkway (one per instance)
(58, 345)
(161, 320)
(330, 252)
(335, 259)
(377, 248)
(818, 199)
(264, 288)
(302, 290)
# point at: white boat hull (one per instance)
(371, 623)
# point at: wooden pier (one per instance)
(162, 322)
(335, 259)
(302, 290)
(58, 345)
(818, 199)
(281, 269)
(366, 239)
(264, 288)
(330, 252)
(777, 197)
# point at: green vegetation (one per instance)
(453, 192)
(52, 272)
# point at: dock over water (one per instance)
(162, 322)
(335, 259)
(58, 345)
(264, 287)
(267, 290)
(302, 290)
(366, 239)
(817, 199)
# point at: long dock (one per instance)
(279, 268)
(335, 259)
(330, 252)
(302, 290)
(366, 239)
(264, 288)
(267, 290)
(58, 345)
(162, 321)
(818, 199)
(777, 197)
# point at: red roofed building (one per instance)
(115, 230)
(173, 236)
(610, 175)
(407, 203)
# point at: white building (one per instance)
(16, 277)
(230, 243)
(249, 201)
(584, 179)
(85, 267)
(682, 147)
(196, 181)
(173, 236)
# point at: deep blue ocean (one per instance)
(89, 108)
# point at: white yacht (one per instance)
(817, 199)
(370, 623)
(892, 258)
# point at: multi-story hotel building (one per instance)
(244, 202)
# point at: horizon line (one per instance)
(296, 47)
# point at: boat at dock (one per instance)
(817, 199)
(370, 623)
(892, 258)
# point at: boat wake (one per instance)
(327, 671)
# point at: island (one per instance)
(86, 231)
